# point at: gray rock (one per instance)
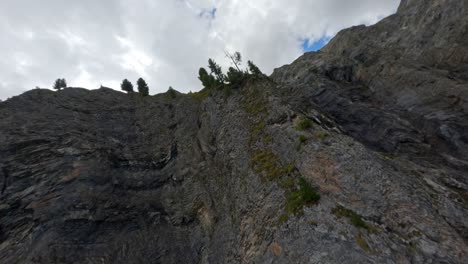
(104, 177)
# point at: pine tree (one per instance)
(216, 71)
(236, 59)
(60, 83)
(127, 86)
(143, 87)
(234, 76)
(207, 80)
(254, 69)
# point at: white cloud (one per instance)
(92, 42)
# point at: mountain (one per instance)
(357, 153)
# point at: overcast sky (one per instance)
(94, 42)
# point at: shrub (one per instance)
(171, 93)
(308, 193)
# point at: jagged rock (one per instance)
(104, 177)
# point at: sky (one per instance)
(100, 42)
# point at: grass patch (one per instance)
(362, 243)
(283, 218)
(303, 139)
(201, 95)
(303, 124)
(227, 91)
(267, 164)
(296, 200)
(257, 129)
(290, 168)
(321, 135)
(388, 155)
(353, 217)
(267, 139)
(255, 102)
(288, 183)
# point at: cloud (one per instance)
(92, 42)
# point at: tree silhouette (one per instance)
(142, 87)
(236, 58)
(207, 80)
(216, 70)
(235, 77)
(254, 69)
(60, 83)
(127, 86)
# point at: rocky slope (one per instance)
(376, 123)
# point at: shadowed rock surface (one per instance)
(376, 122)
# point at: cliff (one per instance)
(376, 123)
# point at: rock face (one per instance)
(376, 122)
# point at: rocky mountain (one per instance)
(357, 153)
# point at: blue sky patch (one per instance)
(317, 45)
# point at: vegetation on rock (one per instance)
(127, 86)
(353, 217)
(142, 87)
(60, 84)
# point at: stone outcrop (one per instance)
(376, 122)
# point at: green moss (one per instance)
(353, 217)
(362, 243)
(303, 124)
